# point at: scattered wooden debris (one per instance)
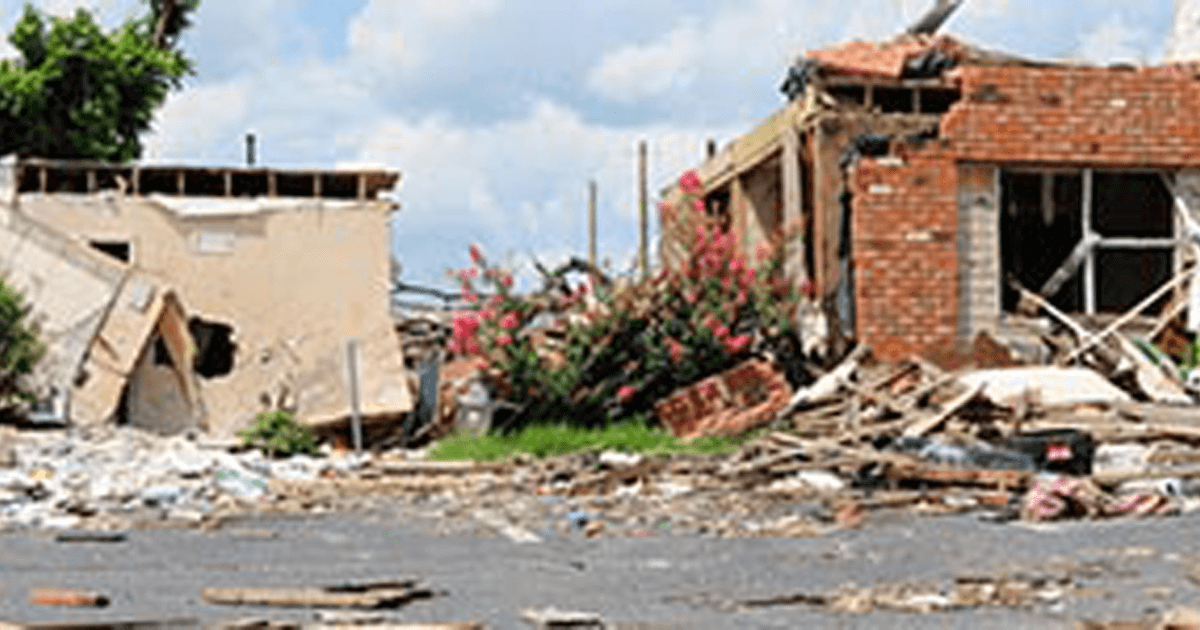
(1013, 591)
(384, 594)
(68, 597)
(147, 624)
(90, 537)
(551, 618)
(922, 427)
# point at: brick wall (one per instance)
(1096, 116)
(915, 223)
(905, 253)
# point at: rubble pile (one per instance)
(1035, 442)
(1023, 443)
(67, 480)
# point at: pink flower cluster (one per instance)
(715, 277)
(477, 332)
(464, 328)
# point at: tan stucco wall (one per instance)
(294, 284)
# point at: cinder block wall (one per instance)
(926, 242)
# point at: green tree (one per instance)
(20, 349)
(78, 92)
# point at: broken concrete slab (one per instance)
(1050, 386)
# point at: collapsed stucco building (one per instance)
(176, 297)
(925, 173)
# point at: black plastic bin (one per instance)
(1057, 450)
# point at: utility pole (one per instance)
(643, 211)
(592, 223)
(1183, 44)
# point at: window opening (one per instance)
(214, 347)
(1112, 231)
(117, 249)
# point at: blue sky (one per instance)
(497, 112)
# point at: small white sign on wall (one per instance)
(206, 242)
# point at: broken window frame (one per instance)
(1092, 239)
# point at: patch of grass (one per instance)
(551, 440)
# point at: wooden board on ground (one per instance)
(368, 595)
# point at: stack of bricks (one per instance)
(729, 403)
(905, 253)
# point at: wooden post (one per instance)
(316, 184)
(180, 182)
(739, 208)
(1089, 263)
(643, 219)
(592, 223)
(793, 211)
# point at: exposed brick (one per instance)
(726, 404)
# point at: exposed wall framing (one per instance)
(904, 96)
(35, 175)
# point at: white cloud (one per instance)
(742, 38)
(1113, 41)
(105, 10)
(746, 41)
(520, 185)
(202, 123)
(633, 72)
(1184, 42)
(386, 33)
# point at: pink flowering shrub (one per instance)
(706, 312)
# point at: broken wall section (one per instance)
(68, 288)
(832, 136)
(250, 265)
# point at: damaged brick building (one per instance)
(927, 176)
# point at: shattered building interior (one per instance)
(926, 176)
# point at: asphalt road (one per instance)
(1131, 568)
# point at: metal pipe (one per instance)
(355, 412)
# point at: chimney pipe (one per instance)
(250, 149)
